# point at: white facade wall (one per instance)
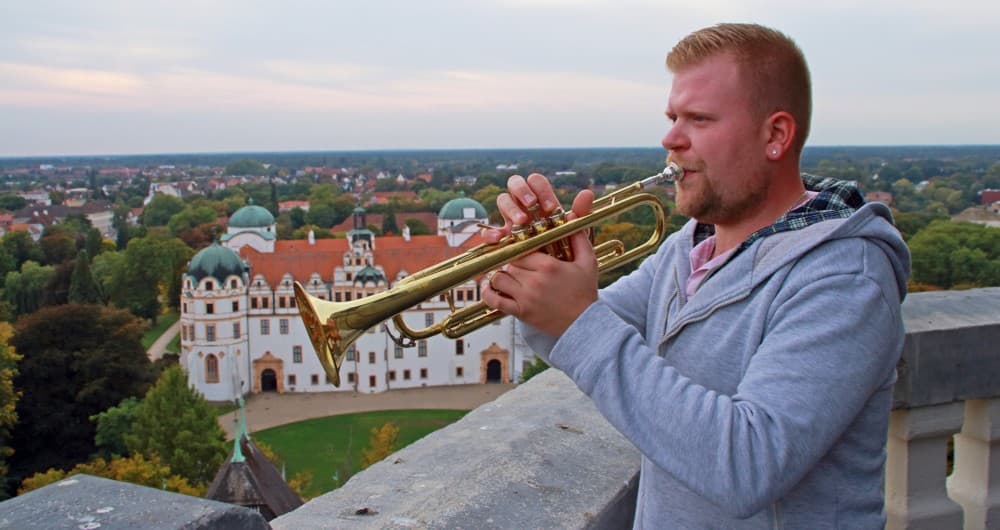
(273, 329)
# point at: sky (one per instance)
(127, 77)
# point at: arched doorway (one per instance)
(493, 372)
(268, 381)
(493, 367)
(271, 368)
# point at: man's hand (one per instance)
(539, 289)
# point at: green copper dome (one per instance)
(369, 274)
(216, 261)
(455, 208)
(251, 216)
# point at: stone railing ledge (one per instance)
(539, 456)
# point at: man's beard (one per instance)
(711, 207)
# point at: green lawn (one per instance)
(165, 321)
(331, 447)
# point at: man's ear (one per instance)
(779, 134)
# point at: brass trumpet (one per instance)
(334, 326)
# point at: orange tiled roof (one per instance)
(393, 254)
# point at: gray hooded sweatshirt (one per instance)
(763, 400)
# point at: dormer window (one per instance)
(209, 285)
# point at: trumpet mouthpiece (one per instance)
(671, 173)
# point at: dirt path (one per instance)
(156, 350)
(271, 409)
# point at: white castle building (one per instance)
(240, 325)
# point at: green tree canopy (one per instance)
(83, 288)
(78, 360)
(22, 248)
(160, 209)
(25, 290)
(12, 202)
(948, 254)
(113, 425)
(245, 166)
(175, 423)
(8, 397)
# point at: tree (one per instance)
(78, 360)
(382, 443)
(135, 469)
(83, 289)
(12, 203)
(8, 397)
(389, 225)
(245, 166)
(25, 290)
(536, 367)
(175, 423)
(113, 425)
(151, 264)
(160, 209)
(22, 248)
(946, 254)
(418, 227)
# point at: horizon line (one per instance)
(441, 149)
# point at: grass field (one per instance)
(165, 321)
(331, 447)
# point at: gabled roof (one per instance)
(253, 482)
(392, 253)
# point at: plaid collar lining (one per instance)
(837, 199)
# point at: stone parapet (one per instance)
(539, 456)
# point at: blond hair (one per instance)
(770, 62)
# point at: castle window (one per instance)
(371, 357)
(236, 330)
(371, 381)
(209, 285)
(347, 296)
(422, 348)
(350, 377)
(459, 371)
(210, 332)
(392, 375)
(314, 379)
(459, 347)
(236, 306)
(283, 326)
(291, 301)
(423, 373)
(428, 319)
(350, 353)
(291, 379)
(406, 375)
(184, 333)
(296, 354)
(232, 284)
(264, 302)
(209, 308)
(211, 369)
(399, 351)
(281, 302)
(336, 296)
(253, 302)
(185, 307)
(460, 295)
(265, 327)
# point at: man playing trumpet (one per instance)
(751, 359)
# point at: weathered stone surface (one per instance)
(83, 502)
(951, 351)
(540, 456)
